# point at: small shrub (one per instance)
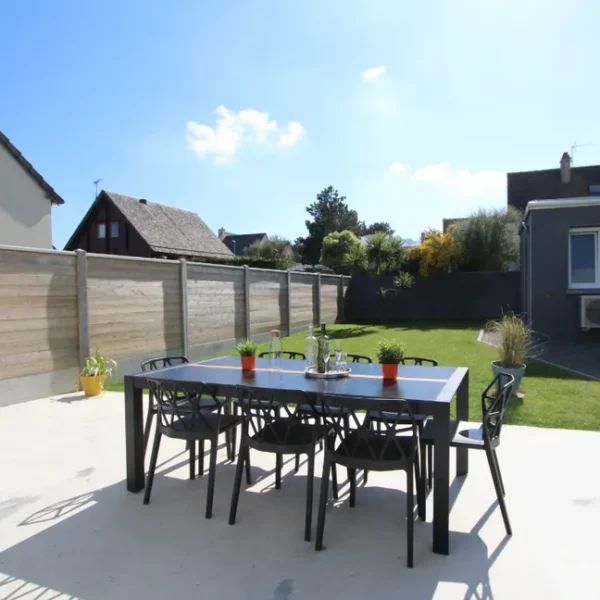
(390, 352)
(98, 366)
(516, 342)
(438, 254)
(247, 348)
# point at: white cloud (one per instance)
(373, 73)
(466, 183)
(398, 168)
(295, 132)
(233, 130)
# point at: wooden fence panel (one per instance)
(134, 306)
(330, 291)
(268, 301)
(38, 312)
(215, 303)
(304, 302)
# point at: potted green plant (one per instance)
(247, 350)
(514, 347)
(95, 372)
(390, 354)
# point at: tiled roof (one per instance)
(169, 230)
(12, 149)
(238, 244)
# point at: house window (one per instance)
(101, 231)
(583, 258)
(114, 229)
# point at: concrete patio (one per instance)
(69, 528)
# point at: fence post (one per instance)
(318, 323)
(247, 301)
(289, 301)
(341, 300)
(184, 306)
(82, 306)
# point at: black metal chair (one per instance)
(373, 419)
(357, 358)
(263, 430)
(164, 362)
(360, 447)
(484, 436)
(182, 415)
(286, 354)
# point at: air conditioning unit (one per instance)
(590, 312)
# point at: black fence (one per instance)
(468, 296)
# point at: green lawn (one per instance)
(552, 397)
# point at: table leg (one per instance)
(441, 481)
(134, 436)
(462, 414)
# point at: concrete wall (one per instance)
(554, 309)
(25, 218)
(58, 307)
(474, 296)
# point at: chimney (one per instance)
(565, 168)
(221, 233)
(143, 201)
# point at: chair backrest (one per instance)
(286, 354)
(163, 362)
(357, 358)
(358, 440)
(419, 361)
(186, 410)
(262, 411)
(494, 401)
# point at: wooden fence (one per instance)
(57, 307)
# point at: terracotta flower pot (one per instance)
(92, 386)
(248, 363)
(390, 371)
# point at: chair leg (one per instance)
(201, 451)
(212, 472)
(148, 425)
(234, 434)
(152, 468)
(192, 459)
(352, 480)
(334, 483)
(429, 466)
(322, 504)
(499, 472)
(498, 489)
(278, 467)
(237, 483)
(297, 463)
(410, 518)
(309, 496)
(420, 479)
(247, 461)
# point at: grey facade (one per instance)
(551, 306)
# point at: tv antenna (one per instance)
(574, 147)
(96, 182)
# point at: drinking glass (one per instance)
(337, 346)
(343, 362)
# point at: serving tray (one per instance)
(312, 372)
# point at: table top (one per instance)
(422, 384)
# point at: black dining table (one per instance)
(430, 391)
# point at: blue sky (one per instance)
(243, 110)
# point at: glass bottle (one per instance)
(275, 351)
(311, 349)
(323, 351)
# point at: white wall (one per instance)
(24, 209)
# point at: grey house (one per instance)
(239, 243)
(560, 268)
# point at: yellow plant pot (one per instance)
(92, 386)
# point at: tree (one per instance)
(488, 240)
(274, 248)
(329, 213)
(438, 253)
(379, 226)
(335, 246)
(382, 255)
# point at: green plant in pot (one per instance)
(95, 372)
(515, 344)
(247, 350)
(390, 354)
